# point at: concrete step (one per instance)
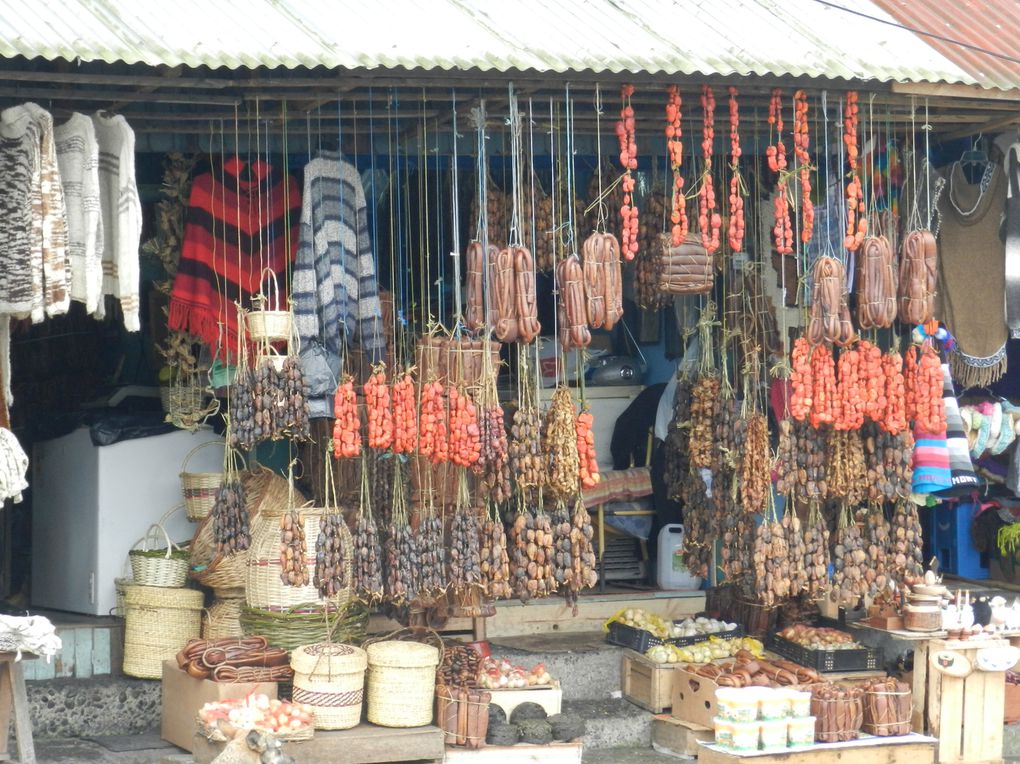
(613, 723)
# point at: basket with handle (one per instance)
(268, 322)
(401, 683)
(330, 679)
(199, 487)
(165, 567)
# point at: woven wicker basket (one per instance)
(330, 678)
(267, 322)
(264, 588)
(199, 487)
(262, 488)
(169, 570)
(223, 618)
(158, 622)
(401, 683)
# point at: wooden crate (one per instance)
(905, 750)
(675, 737)
(549, 698)
(645, 683)
(966, 714)
(522, 753)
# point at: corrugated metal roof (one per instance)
(993, 25)
(721, 37)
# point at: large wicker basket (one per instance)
(264, 588)
(199, 487)
(262, 488)
(401, 683)
(223, 618)
(330, 678)
(158, 622)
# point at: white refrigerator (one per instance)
(90, 504)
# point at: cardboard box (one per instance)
(184, 696)
(694, 699)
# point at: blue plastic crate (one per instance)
(950, 539)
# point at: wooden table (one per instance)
(14, 701)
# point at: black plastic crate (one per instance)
(636, 639)
(856, 659)
(640, 640)
(685, 641)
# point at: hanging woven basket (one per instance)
(267, 322)
(199, 488)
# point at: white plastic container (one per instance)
(672, 573)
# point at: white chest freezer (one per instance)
(90, 504)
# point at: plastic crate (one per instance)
(859, 659)
(951, 539)
(640, 640)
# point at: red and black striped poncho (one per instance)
(238, 224)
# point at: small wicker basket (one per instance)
(223, 618)
(199, 488)
(158, 622)
(267, 322)
(153, 567)
(330, 679)
(401, 683)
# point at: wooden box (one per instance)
(184, 696)
(966, 713)
(549, 698)
(645, 683)
(694, 699)
(1011, 704)
(676, 738)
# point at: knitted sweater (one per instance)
(46, 265)
(335, 286)
(20, 250)
(78, 159)
(121, 215)
(238, 224)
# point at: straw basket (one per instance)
(267, 322)
(330, 678)
(158, 622)
(456, 361)
(265, 589)
(153, 567)
(223, 618)
(199, 487)
(401, 683)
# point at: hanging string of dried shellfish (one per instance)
(293, 548)
(332, 545)
(368, 553)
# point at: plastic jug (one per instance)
(672, 573)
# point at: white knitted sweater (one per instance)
(121, 213)
(78, 159)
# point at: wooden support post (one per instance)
(14, 698)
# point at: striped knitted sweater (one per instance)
(78, 159)
(121, 215)
(237, 226)
(335, 286)
(33, 239)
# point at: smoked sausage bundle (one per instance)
(830, 311)
(573, 314)
(887, 707)
(918, 276)
(687, 269)
(603, 280)
(876, 287)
